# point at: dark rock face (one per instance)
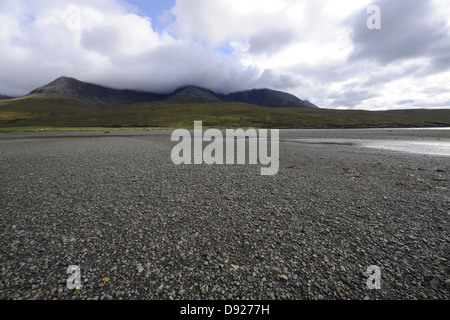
(192, 94)
(107, 97)
(94, 94)
(268, 98)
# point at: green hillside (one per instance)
(36, 107)
(65, 112)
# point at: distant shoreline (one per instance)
(37, 129)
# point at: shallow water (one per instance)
(431, 147)
(422, 147)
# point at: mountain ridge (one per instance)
(4, 97)
(93, 93)
(108, 97)
(267, 98)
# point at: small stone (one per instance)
(435, 283)
(251, 279)
(275, 269)
(447, 283)
(234, 266)
(106, 279)
(181, 292)
(422, 295)
(284, 277)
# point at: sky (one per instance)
(319, 50)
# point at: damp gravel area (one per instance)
(140, 227)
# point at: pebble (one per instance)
(434, 283)
(284, 277)
(422, 295)
(447, 283)
(276, 270)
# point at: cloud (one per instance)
(217, 22)
(106, 42)
(385, 76)
(412, 46)
(269, 78)
(438, 64)
(126, 35)
(270, 41)
(409, 30)
(350, 98)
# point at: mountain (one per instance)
(192, 94)
(94, 94)
(107, 97)
(2, 97)
(268, 98)
(309, 104)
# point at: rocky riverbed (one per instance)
(140, 227)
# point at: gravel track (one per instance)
(140, 227)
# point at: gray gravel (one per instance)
(140, 227)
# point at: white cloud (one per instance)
(218, 22)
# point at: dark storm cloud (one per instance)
(438, 65)
(409, 29)
(392, 75)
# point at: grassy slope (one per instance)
(38, 107)
(62, 112)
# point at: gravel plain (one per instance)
(140, 227)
